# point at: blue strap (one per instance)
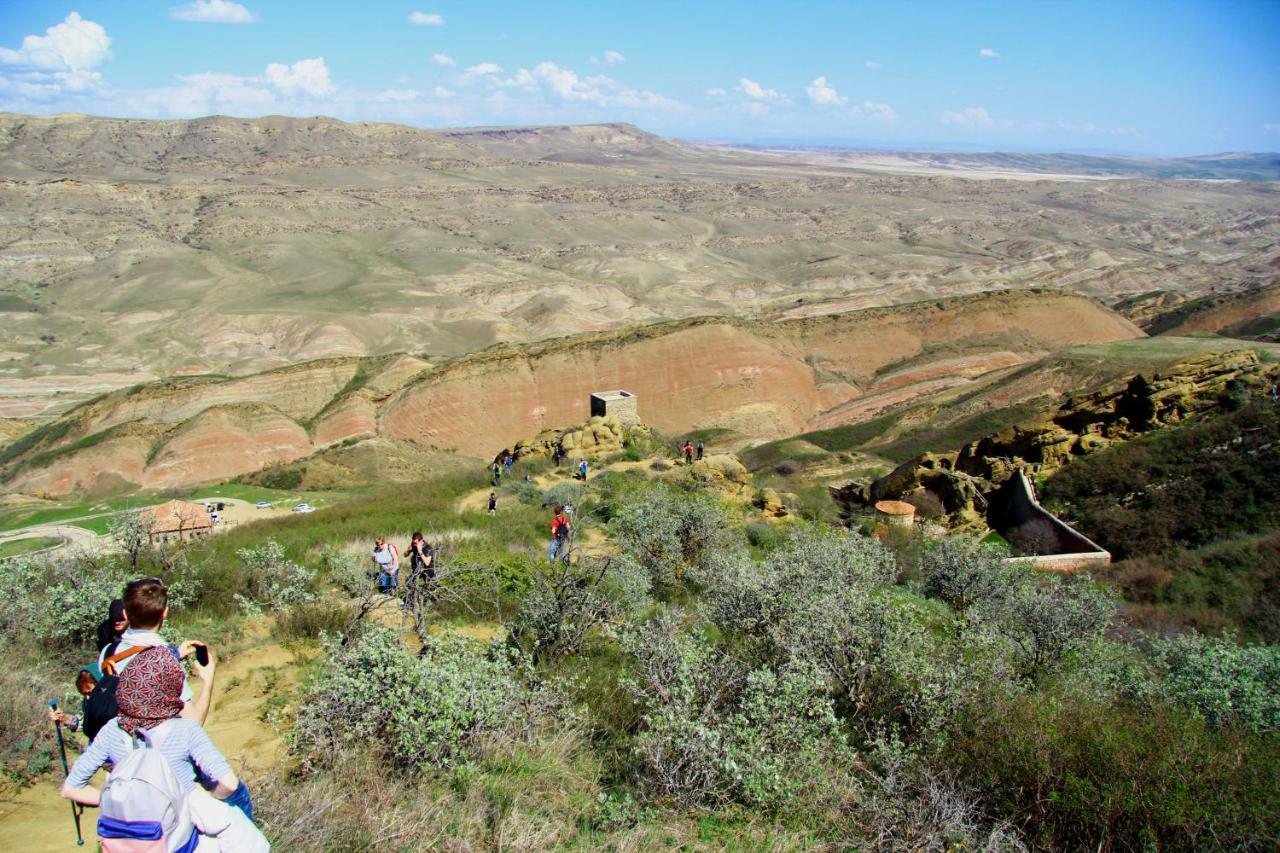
(140, 830)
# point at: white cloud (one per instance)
(556, 85)
(73, 45)
(988, 53)
(755, 91)
(872, 64)
(968, 117)
(306, 76)
(1272, 127)
(214, 12)
(878, 112)
(716, 92)
(442, 92)
(426, 19)
(60, 62)
(824, 95)
(609, 60)
(443, 59)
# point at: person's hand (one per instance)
(187, 648)
(205, 671)
(59, 717)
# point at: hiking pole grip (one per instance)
(66, 771)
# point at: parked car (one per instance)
(304, 508)
(263, 504)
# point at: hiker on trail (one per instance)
(568, 509)
(497, 474)
(493, 503)
(422, 562)
(559, 536)
(110, 629)
(1275, 393)
(146, 605)
(85, 682)
(582, 470)
(556, 455)
(701, 449)
(422, 557)
(507, 462)
(387, 561)
(688, 452)
(137, 791)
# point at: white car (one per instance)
(304, 508)
(263, 504)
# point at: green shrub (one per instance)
(1081, 774)
(273, 581)
(312, 621)
(567, 601)
(715, 731)
(1227, 683)
(962, 570)
(418, 710)
(1045, 617)
(675, 536)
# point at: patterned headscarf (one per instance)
(150, 690)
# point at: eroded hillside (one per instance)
(762, 380)
(131, 250)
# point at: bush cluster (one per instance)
(418, 710)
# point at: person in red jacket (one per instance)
(688, 452)
(559, 535)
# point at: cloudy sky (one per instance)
(1168, 77)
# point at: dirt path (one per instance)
(69, 534)
(37, 819)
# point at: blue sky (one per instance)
(1171, 77)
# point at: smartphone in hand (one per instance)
(202, 655)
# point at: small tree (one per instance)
(1046, 618)
(961, 571)
(568, 600)
(676, 537)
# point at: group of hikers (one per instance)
(422, 565)
(689, 449)
(169, 788)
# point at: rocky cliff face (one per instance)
(1081, 425)
(762, 380)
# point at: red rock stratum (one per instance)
(762, 380)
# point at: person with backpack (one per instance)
(582, 470)
(559, 535)
(688, 452)
(146, 606)
(164, 768)
(387, 560)
(493, 503)
(701, 448)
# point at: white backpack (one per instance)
(143, 808)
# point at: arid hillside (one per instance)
(762, 380)
(132, 250)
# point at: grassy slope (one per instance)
(1193, 515)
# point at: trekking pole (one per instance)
(66, 771)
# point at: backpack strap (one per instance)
(109, 665)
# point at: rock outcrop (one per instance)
(961, 481)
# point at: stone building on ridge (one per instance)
(616, 404)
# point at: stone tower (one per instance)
(619, 404)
